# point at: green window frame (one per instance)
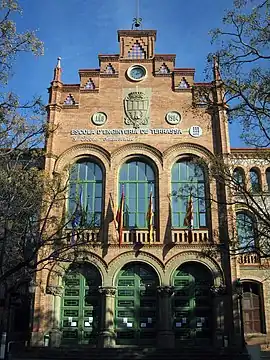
(137, 180)
(86, 191)
(188, 179)
(255, 183)
(246, 230)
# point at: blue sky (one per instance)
(79, 30)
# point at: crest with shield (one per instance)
(136, 106)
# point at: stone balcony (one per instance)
(84, 235)
(251, 258)
(197, 236)
(139, 236)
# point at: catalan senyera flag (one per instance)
(120, 217)
(150, 217)
(188, 221)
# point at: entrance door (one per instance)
(192, 304)
(80, 311)
(136, 305)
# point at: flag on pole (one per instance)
(150, 217)
(188, 221)
(120, 217)
(77, 217)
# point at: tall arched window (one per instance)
(267, 174)
(188, 180)
(254, 180)
(252, 308)
(85, 193)
(239, 176)
(246, 230)
(137, 180)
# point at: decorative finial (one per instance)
(137, 21)
(58, 62)
(57, 70)
(216, 69)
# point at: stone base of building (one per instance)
(107, 339)
(165, 339)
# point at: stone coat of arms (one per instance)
(136, 106)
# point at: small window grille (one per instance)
(89, 85)
(136, 52)
(69, 100)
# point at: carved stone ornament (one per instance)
(165, 290)
(55, 290)
(107, 290)
(136, 106)
(218, 290)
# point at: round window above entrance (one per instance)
(137, 73)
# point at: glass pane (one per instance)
(132, 205)
(183, 170)
(141, 171)
(90, 189)
(74, 172)
(90, 171)
(98, 190)
(203, 219)
(132, 176)
(142, 204)
(268, 178)
(82, 171)
(142, 190)
(175, 220)
(98, 204)
(124, 173)
(141, 220)
(90, 204)
(175, 172)
(131, 193)
(149, 173)
(98, 173)
(129, 219)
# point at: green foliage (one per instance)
(243, 52)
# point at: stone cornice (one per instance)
(184, 71)
(89, 90)
(136, 33)
(54, 107)
(71, 87)
(136, 61)
(108, 58)
(183, 90)
(200, 84)
(104, 75)
(165, 57)
(169, 75)
(89, 72)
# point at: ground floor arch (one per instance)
(192, 303)
(136, 305)
(80, 318)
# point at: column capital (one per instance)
(55, 290)
(107, 290)
(165, 290)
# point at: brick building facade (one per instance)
(135, 128)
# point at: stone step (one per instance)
(128, 354)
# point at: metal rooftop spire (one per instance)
(137, 21)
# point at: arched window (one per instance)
(85, 194)
(252, 308)
(267, 174)
(137, 180)
(239, 176)
(254, 180)
(188, 181)
(246, 230)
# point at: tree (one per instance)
(243, 53)
(33, 224)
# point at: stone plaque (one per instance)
(173, 117)
(99, 118)
(195, 131)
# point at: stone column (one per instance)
(56, 333)
(165, 336)
(107, 334)
(217, 327)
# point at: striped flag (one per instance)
(77, 218)
(120, 217)
(188, 221)
(150, 217)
